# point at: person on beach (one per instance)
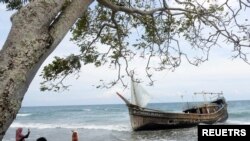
(74, 136)
(41, 139)
(20, 136)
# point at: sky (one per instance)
(220, 73)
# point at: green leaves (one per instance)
(58, 70)
(14, 4)
(61, 66)
(81, 26)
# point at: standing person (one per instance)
(20, 136)
(74, 136)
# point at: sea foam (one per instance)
(120, 127)
(23, 115)
(236, 122)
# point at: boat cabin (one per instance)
(203, 109)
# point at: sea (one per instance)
(107, 123)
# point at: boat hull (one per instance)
(149, 119)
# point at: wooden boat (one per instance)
(142, 118)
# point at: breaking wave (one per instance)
(236, 122)
(23, 115)
(120, 127)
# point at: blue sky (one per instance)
(220, 73)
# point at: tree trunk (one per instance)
(36, 31)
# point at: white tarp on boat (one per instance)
(139, 96)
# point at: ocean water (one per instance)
(106, 123)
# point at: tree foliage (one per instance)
(166, 31)
(59, 68)
(14, 4)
